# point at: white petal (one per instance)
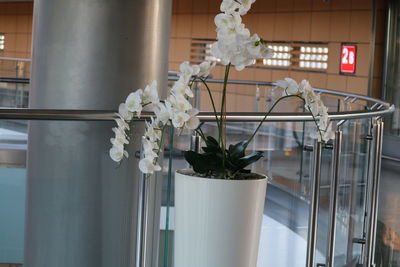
(192, 123)
(116, 153)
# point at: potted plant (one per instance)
(218, 203)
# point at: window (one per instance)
(2, 40)
(282, 56)
(313, 57)
(304, 56)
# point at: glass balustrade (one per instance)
(14, 82)
(111, 215)
(288, 161)
(13, 146)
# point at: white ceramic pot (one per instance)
(217, 222)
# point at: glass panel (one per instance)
(352, 192)
(289, 163)
(78, 207)
(13, 144)
(286, 207)
(14, 82)
(14, 94)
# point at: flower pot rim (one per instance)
(189, 172)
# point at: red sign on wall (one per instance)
(348, 59)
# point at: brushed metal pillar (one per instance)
(89, 54)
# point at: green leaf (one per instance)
(190, 157)
(237, 151)
(212, 146)
(211, 142)
(249, 159)
(211, 149)
(203, 163)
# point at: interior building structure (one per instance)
(62, 206)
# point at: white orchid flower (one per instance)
(289, 86)
(150, 94)
(119, 140)
(186, 71)
(179, 102)
(205, 68)
(304, 85)
(196, 70)
(124, 113)
(245, 6)
(234, 43)
(317, 107)
(266, 52)
(307, 93)
(217, 53)
(148, 149)
(323, 118)
(254, 46)
(134, 102)
(122, 124)
(118, 131)
(169, 106)
(227, 22)
(181, 88)
(179, 119)
(229, 36)
(328, 133)
(193, 121)
(152, 132)
(229, 6)
(117, 153)
(146, 165)
(162, 113)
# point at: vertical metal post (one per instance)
(195, 143)
(333, 200)
(314, 203)
(142, 216)
(197, 95)
(373, 196)
(16, 85)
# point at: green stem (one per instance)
(169, 188)
(315, 121)
(268, 113)
(223, 109)
(201, 134)
(212, 101)
(146, 104)
(192, 81)
(162, 138)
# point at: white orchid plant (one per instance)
(234, 47)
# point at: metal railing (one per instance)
(375, 110)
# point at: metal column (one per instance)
(90, 54)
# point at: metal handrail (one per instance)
(108, 115)
(378, 108)
(16, 59)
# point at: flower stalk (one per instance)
(235, 47)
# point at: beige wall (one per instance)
(16, 24)
(285, 20)
(291, 20)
